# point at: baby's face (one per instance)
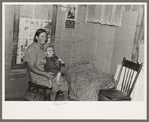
(50, 51)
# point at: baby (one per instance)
(52, 64)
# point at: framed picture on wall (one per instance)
(71, 12)
(71, 16)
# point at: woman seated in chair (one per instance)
(35, 53)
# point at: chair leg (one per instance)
(53, 96)
(66, 96)
(48, 93)
(44, 94)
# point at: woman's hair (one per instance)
(38, 32)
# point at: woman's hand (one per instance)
(49, 75)
(57, 63)
(43, 61)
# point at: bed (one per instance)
(85, 81)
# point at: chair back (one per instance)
(127, 76)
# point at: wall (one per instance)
(36, 11)
(16, 83)
(73, 45)
(104, 47)
(88, 41)
(9, 15)
(124, 38)
(141, 52)
(113, 43)
(124, 35)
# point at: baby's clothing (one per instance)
(51, 66)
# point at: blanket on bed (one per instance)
(86, 81)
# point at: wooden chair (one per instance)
(127, 76)
(36, 88)
(40, 89)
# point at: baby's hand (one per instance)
(62, 62)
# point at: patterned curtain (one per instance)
(105, 14)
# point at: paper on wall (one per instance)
(27, 29)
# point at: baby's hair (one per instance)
(48, 47)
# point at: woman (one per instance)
(35, 53)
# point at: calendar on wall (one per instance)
(27, 29)
(71, 16)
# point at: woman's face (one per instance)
(42, 38)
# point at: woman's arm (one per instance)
(31, 59)
(39, 72)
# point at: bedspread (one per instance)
(86, 81)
